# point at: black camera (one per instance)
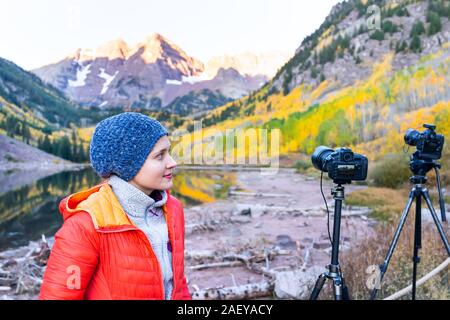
(342, 164)
(428, 143)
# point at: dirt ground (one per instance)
(286, 212)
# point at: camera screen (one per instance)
(346, 169)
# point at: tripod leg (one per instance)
(441, 196)
(384, 266)
(436, 221)
(417, 239)
(318, 286)
(338, 288)
(345, 293)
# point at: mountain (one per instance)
(24, 96)
(248, 63)
(350, 85)
(118, 75)
(148, 75)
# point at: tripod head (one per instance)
(338, 192)
(420, 167)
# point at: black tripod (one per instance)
(417, 192)
(334, 270)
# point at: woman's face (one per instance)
(156, 172)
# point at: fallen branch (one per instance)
(256, 194)
(216, 265)
(248, 291)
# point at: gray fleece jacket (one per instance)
(146, 213)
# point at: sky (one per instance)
(36, 33)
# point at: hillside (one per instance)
(21, 164)
(350, 86)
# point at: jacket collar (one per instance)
(135, 202)
(104, 208)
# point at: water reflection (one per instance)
(29, 212)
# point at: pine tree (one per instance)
(11, 125)
(415, 45)
(74, 144)
(26, 134)
(81, 153)
(435, 23)
(63, 148)
(401, 46)
(46, 145)
(287, 81)
(417, 29)
(313, 72)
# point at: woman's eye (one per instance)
(159, 156)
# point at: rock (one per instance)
(342, 247)
(321, 245)
(9, 262)
(234, 232)
(285, 242)
(295, 284)
(316, 211)
(241, 219)
(254, 210)
(372, 223)
(303, 224)
(308, 240)
(258, 225)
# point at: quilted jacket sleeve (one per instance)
(72, 261)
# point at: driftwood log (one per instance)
(248, 291)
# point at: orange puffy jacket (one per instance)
(99, 254)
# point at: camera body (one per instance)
(342, 164)
(428, 143)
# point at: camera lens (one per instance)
(412, 137)
(318, 157)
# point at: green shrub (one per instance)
(377, 35)
(302, 165)
(391, 172)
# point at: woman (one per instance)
(124, 238)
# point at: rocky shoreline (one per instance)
(269, 234)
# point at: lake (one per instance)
(30, 211)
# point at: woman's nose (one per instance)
(172, 163)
